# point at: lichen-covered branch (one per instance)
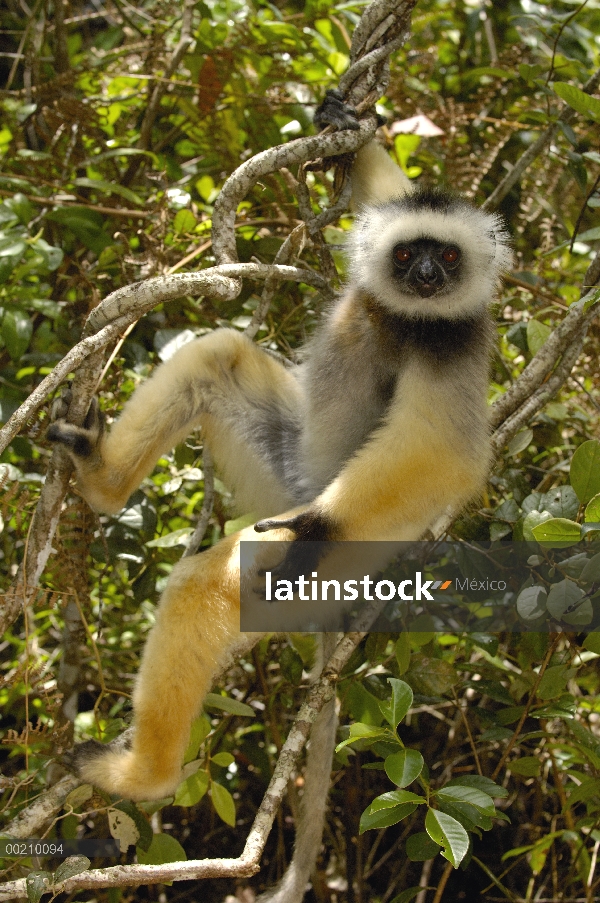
(249, 862)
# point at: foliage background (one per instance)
(112, 156)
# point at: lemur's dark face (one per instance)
(426, 266)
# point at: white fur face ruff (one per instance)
(480, 236)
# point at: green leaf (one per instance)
(128, 810)
(420, 847)
(539, 853)
(531, 603)
(449, 833)
(123, 828)
(383, 818)
(360, 731)
(470, 795)
(527, 766)
(73, 865)
(486, 785)
(223, 759)
(192, 789)
(592, 642)
(403, 652)
(111, 188)
(226, 704)
(395, 798)
(169, 540)
(163, 848)
(403, 767)
(589, 788)
(37, 883)
(565, 603)
(592, 511)
(79, 796)
(554, 682)
(577, 99)
(537, 335)
(520, 442)
(17, 330)
(201, 728)
(184, 221)
(532, 519)
(402, 698)
(585, 470)
(557, 533)
(223, 803)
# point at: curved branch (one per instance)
(536, 371)
(249, 861)
(247, 175)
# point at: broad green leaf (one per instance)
(565, 603)
(560, 502)
(577, 99)
(73, 865)
(533, 518)
(537, 335)
(223, 803)
(592, 642)
(223, 759)
(589, 788)
(163, 848)
(200, 730)
(403, 767)
(360, 731)
(470, 795)
(585, 470)
(486, 785)
(79, 796)
(554, 681)
(449, 833)
(17, 330)
(520, 442)
(123, 828)
(403, 652)
(468, 816)
(395, 798)
(592, 511)
(184, 221)
(192, 789)
(231, 706)
(37, 883)
(142, 825)
(402, 697)
(420, 847)
(531, 603)
(104, 187)
(432, 676)
(169, 540)
(527, 766)
(557, 533)
(383, 818)
(539, 853)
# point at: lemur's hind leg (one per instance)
(195, 633)
(248, 404)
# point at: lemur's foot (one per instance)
(83, 440)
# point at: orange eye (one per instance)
(402, 255)
(450, 255)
